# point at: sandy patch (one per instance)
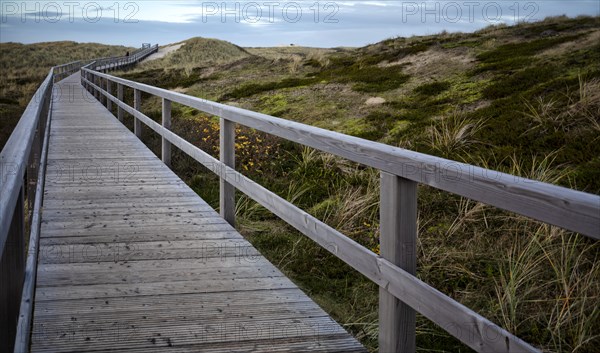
(375, 101)
(162, 52)
(437, 62)
(584, 42)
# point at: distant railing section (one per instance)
(119, 62)
(402, 294)
(63, 71)
(22, 172)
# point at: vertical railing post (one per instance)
(120, 98)
(33, 163)
(227, 156)
(12, 272)
(137, 104)
(166, 123)
(398, 227)
(109, 91)
(97, 82)
(102, 96)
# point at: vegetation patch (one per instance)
(368, 79)
(520, 81)
(516, 55)
(251, 89)
(433, 88)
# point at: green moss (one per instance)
(276, 104)
(399, 128)
(8, 101)
(251, 89)
(170, 78)
(520, 81)
(390, 53)
(364, 129)
(465, 43)
(433, 88)
(516, 55)
(367, 78)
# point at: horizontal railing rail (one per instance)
(22, 171)
(401, 292)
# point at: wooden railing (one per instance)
(22, 172)
(402, 294)
(119, 62)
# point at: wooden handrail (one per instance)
(113, 63)
(401, 292)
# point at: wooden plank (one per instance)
(398, 244)
(127, 232)
(202, 270)
(189, 314)
(234, 249)
(567, 208)
(174, 334)
(208, 232)
(159, 288)
(179, 302)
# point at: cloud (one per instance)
(349, 24)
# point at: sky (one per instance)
(264, 23)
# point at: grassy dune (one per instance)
(24, 67)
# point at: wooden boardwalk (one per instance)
(131, 259)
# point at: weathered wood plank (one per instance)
(208, 232)
(208, 269)
(177, 302)
(159, 288)
(171, 333)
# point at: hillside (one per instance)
(24, 67)
(510, 91)
(522, 99)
